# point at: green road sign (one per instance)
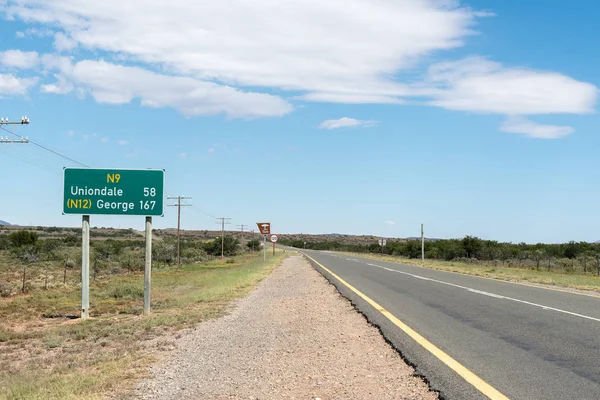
(113, 191)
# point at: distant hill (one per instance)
(4, 223)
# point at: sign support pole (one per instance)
(265, 248)
(422, 243)
(148, 265)
(273, 248)
(85, 267)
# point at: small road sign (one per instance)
(264, 228)
(113, 191)
(382, 242)
(274, 238)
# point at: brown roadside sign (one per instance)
(264, 227)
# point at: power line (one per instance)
(46, 148)
(45, 168)
(205, 213)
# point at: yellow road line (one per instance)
(454, 365)
(533, 285)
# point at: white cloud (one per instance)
(115, 84)
(86, 136)
(62, 42)
(104, 139)
(123, 142)
(479, 85)
(70, 133)
(346, 122)
(516, 124)
(63, 64)
(211, 150)
(388, 222)
(11, 85)
(349, 51)
(19, 59)
(182, 155)
(61, 86)
(34, 32)
(344, 50)
(353, 98)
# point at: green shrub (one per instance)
(23, 238)
(126, 291)
(72, 240)
(230, 246)
(253, 245)
(5, 290)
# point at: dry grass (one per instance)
(575, 281)
(44, 354)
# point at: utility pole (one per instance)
(422, 243)
(8, 139)
(253, 243)
(242, 226)
(223, 235)
(178, 205)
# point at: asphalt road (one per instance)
(525, 342)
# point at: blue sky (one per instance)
(361, 117)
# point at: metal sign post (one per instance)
(274, 239)
(422, 243)
(113, 192)
(382, 242)
(148, 266)
(85, 267)
(265, 229)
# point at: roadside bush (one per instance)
(164, 251)
(230, 246)
(105, 249)
(23, 238)
(27, 254)
(72, 240)
(50, 248)
(5, 290)
(132, 262)
(253, 245)
(193, 255)
(126, 292)
(4, 243)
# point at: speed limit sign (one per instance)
(274, 238)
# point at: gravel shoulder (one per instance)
(294, 337)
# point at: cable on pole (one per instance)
(46, 148)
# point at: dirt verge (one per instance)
(294, 337)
